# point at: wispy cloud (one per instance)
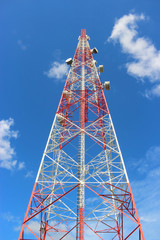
(29, 174)
(146, 190)
(22, 45)
(148, 163)
(11, 219)
(57, 70)
(92, 200)
(146, 58)
(7, 152)
(21, 165)
(35, 227)
(154, 91)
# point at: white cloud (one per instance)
(34, 226)
(58, 70)
(7, 152)
(155, 91)
(146, 58)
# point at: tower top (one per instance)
(83, 33)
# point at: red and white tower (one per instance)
(82, 189)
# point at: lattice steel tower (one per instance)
(82, 189)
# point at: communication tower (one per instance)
(82, 190)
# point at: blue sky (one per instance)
(36, 38)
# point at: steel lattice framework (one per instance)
(82, 189)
